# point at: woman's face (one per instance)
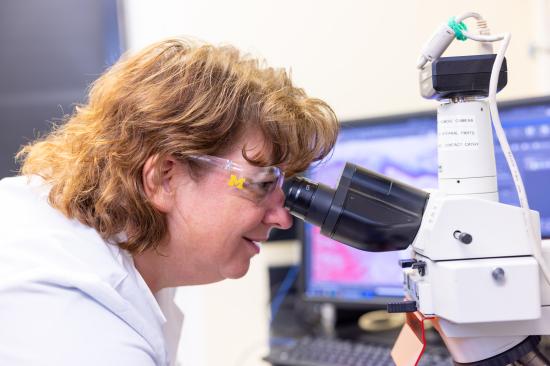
(212, 228)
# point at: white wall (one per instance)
(360, 57)
(540, 46)
(226, 323)
(357, 55)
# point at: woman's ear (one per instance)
(159, 181)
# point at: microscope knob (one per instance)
(463, 237)
(406, 263)
(420, 266)
(402, 307)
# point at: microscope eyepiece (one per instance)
(367, 211)
(299, 193)
(308, 200)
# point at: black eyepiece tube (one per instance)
(307, 200)
(367, 211)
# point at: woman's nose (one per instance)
(277, 215)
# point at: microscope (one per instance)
(478, 270)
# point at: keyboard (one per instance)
(310, 351)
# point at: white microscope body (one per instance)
(475, 268)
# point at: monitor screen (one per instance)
(404, 147)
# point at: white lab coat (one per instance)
(69, 298)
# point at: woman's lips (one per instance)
(255, 244)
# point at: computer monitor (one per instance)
(404, 147)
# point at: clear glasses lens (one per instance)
(263, 184)
(254, 183)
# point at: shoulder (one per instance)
(62, 285)
(70, 307)
(38, 237)
(65, 326)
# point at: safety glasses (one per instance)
(254, 183)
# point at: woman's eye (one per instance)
(263, 187)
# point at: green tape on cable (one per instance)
(458, 28)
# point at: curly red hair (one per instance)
(176, 97)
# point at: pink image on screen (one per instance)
(411, 159)
(335, 262)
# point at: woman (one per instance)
(170, 175)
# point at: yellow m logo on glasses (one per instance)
(237, 183)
